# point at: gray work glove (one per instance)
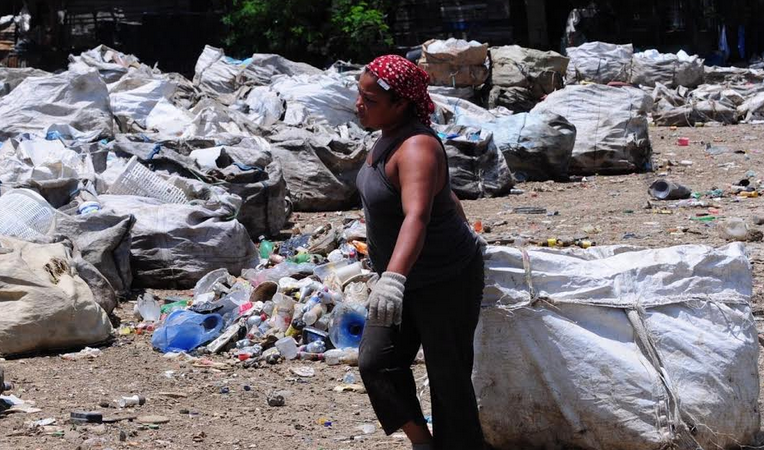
(386, 300)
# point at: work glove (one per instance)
(385, 302)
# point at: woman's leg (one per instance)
(384, 360)
(447, 315)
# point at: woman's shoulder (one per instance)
(421, 149)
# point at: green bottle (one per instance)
(266, 248)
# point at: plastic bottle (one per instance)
(332, 357)
(349, 252)
(282, 311)
(314, 300)
(266, 248)
(311, 316)
(316, 347)
(183, 331)
(88, 207)
(347, 356)
(305, 356)
(322, 323)
(287, 347)
(335, 256)
(323, 271)
(252, 351)
(148, 308)
(268, 307)
(170, 307)
(244, 343)
(254, 321)
(309, 288)
(346, 326)
(300, 257)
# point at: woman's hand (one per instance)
(385, 302)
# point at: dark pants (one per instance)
(442, 318)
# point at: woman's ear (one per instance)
(401, 105)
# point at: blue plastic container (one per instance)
(184, 330)
(347, 326)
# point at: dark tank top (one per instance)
(449, 245)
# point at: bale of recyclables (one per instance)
(521, 76)
(612, 134)
(599, 62)
(44, 303)
(455, 62)
(617, 348)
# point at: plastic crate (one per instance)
(24, 214)
(139, 180)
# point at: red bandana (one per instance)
(405, 79)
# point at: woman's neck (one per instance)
(396, 127)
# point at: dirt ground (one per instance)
(225, 406)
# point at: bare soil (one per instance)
(225, 406)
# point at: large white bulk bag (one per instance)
(617, 348)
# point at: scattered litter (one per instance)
(357, 388)
(368, 428)
(156, 420)
(662, 189)
(736, 229)
(15, 404)
(303, 371)
(42, 423)
(85, 353)
(172, 394)
(529, 210)
(134, 400)
(86, 417)
(276, 400)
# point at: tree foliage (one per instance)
(316, 31)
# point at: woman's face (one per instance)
(375, 106)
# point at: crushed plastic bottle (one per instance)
(184, 331)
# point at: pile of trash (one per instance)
(685, 92)
(304, 300)
(154, 181)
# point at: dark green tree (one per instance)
(315, 31)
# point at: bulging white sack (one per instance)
(617, 348)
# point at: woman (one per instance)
(429, 261)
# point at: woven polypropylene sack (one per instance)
(617, 348)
